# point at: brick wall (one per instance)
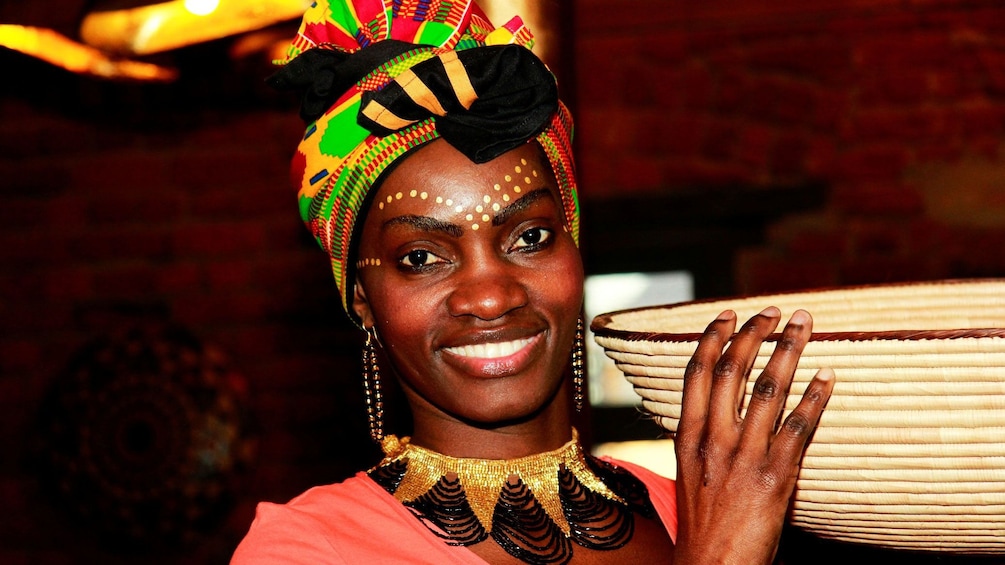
(897, 108)
(125, 205)
(128, 206)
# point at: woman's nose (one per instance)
(488, 289)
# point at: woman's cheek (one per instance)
(412, 310)
(569, 274)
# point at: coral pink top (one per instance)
(357, 521)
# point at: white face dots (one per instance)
(478, 213)
(501, 193)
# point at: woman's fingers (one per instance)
(772, 386)
(790, 441)
(698, 376)
(735, 476)
(714, 390)
(731, 371)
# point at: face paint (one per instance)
(494, 199)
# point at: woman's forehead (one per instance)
(440, 182)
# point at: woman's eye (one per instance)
(419, 258)
(532, 238)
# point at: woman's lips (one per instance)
(495, 358)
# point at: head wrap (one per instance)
(382, 77)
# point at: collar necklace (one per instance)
(531, 506)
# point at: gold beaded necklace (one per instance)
(483, 479)
(537, 507)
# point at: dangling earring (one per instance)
(371, 386)
(577, 366)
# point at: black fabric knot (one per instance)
(516, 98)
(514, 93)
(323, 75)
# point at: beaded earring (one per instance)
(577, 366)
(371, 386)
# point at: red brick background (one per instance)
(895, 107)
(127, 204)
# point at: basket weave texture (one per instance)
(910, 452)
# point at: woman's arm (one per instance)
(735, 476)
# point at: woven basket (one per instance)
(910, 452)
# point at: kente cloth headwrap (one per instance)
(382, 77)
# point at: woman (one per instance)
(436, 173)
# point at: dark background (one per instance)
(762, 145)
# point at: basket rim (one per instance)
(600, 325)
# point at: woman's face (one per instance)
(472, 282)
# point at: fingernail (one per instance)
(800, 318)
(824, 375)
(771, 312)
(726, 315)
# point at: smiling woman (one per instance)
(490, 279)
(436, 172)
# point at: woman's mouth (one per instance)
(495, 358)
(491, 350)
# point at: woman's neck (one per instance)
(546, 431)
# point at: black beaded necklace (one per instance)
(536, 508)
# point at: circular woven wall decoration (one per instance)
(147, 435)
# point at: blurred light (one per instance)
(53, 48)
(202, 7)
(155, 28)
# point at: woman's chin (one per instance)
(518, 403)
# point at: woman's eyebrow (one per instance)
(425, 223)
(521, 204)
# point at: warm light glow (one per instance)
(149, 28)
(154, 28)
(202, 7)
(56, 49)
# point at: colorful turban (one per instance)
(382, 77)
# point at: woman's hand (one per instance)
(735, 475)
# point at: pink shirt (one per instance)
(356, 521)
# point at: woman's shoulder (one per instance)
(343, 523)
(344, 496)
(318, 526)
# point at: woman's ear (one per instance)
(360, 305)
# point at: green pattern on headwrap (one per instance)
(342, 134)
(405, 61)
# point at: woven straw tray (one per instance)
(910, 453)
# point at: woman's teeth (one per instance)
(490, 350)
